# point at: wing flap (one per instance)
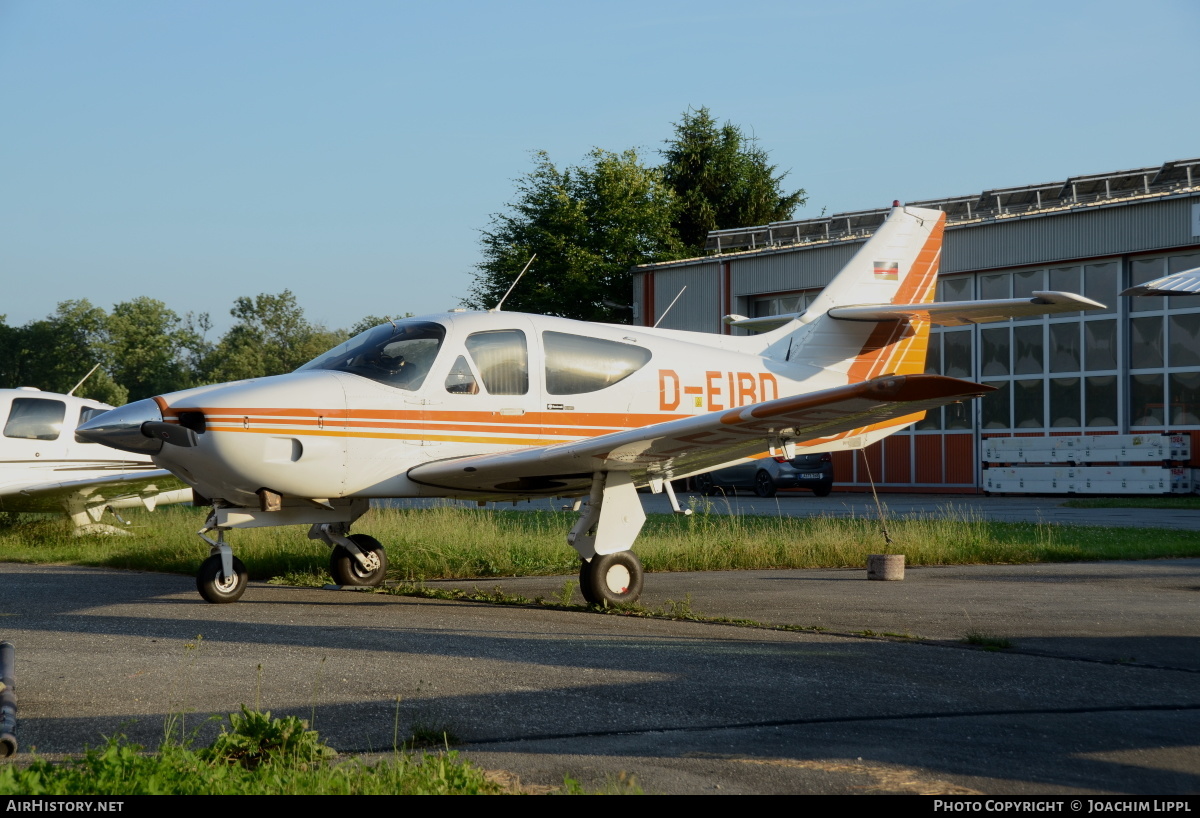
(678, 448)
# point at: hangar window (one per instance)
(35, 419)
(1100, 400)
(576, 364)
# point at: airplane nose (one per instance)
(121, 428)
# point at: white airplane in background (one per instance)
(1185, 282)
(505, 406)
(45, 468)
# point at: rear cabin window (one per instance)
(502, 358)
(576, 364)
(35, 419)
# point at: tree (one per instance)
(588, 225)
(722, 179)
(271, 337)
(149, 349)
(55, 353)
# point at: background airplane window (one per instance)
(86, 414)
(35, 419)
(576, 364)
(502, 358)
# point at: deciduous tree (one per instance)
(271, 337)
(589, 225)
(722, 179)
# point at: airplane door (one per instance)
(493, 392)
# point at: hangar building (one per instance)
(1133, 369)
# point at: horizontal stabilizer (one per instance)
(1184, 283)
(959, 313)
(764, 324)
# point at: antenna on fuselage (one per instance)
(514, 284)
(668, 309)
(84, 378)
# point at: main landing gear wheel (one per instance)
(345, 568)
(217, 588)
(764, 486)
(611, 579)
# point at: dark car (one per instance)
(765, 477)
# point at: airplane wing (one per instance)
(140, 488)
(1186, 282)
(959, 313)
(678, 448)
(947, 313)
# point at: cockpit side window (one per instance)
(461, 381)
(576, 364)
(35, 419)
(502, 358)
(398, 354)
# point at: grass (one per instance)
(430, 543)
(255, 755)
(1135, 502)
(987, 642)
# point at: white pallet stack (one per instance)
(1063, 470)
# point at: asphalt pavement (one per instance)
(1099, 691)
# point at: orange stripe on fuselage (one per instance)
(605, 420)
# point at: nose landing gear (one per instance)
(355, 559)
(222, 577)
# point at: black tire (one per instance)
(764, 486)
(612, 579)
(705, 485)
(822, 491)
(215, 587)
(585, 583)
(346, 570)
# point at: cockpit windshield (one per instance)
(397, 354)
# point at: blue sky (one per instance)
(351, 152)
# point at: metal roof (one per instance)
(1090, 190)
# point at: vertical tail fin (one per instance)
(898, 265)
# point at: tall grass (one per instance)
(453, 542)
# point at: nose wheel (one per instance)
(611, 579)
(215, 586)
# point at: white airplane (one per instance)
(1185, 282)
(44, 467)
(504, 406)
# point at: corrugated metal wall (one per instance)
(699, 309)
(781, 271)
(1105, 231)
